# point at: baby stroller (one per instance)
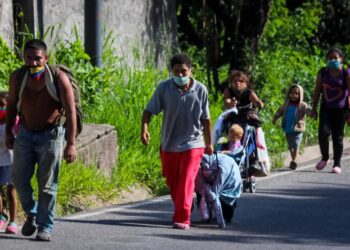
(247, 156)
(218, 186)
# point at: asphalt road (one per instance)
(304, 209)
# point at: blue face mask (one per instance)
(181, 80)
(333, 64)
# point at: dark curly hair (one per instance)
(35, 44)
(336, 50)
(180, 59)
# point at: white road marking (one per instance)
(167, 197)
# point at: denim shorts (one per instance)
(294, 140)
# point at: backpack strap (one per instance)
(54, 69)
(51, 82)
(21, 81)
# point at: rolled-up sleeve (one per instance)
(205, 106)
(155, 105)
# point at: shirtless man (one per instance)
(40, 139)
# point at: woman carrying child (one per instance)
(293, 113)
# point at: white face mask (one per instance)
(181, 80)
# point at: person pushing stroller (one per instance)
(241, 104)
(240, 95)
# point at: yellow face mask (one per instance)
(36, 72)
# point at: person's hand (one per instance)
(145, 137)
(10, 140)
(314, 114)
(209, 149)
(234, 102)
(260, 104)
(70, 153)
(225, 152)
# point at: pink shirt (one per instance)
(234, 145)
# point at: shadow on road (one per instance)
(311, 216)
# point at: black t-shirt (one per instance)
(247, 115)
(243, 100)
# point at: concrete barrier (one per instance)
(97, 146)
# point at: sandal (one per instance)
(183, 226)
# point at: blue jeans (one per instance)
(43, 148)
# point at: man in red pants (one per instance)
(186, 118)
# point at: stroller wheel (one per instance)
(252, 186)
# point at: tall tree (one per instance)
(225, 29)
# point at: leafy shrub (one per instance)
(8, 62)
(80, 187)
(72, 55)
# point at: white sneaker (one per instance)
(336, 170)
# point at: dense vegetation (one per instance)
(116, 94)
(223, 31)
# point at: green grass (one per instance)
(81, 187)
(78, 182)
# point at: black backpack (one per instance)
(54, 72)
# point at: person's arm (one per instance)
(316, 95)
(145, 136)
(207, 136)
(11, 111)
(348, 86)
(277, 115)
(229, 102)
(67, 99)
(255, 100)
(308, 110)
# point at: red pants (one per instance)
(180, 170)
